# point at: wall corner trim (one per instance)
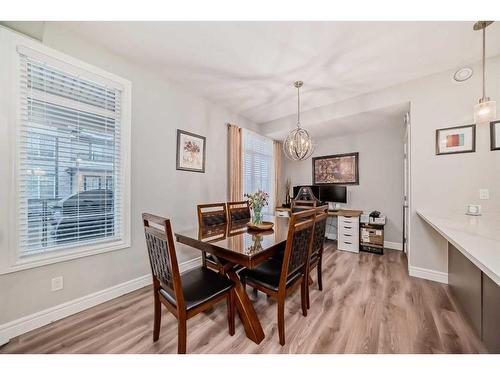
(424, 273)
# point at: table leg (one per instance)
(251, 323)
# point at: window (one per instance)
(258, 166)
(91, 182)
(72, 170)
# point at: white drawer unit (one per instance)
(348, 233)
(349, 237)
(349, 229)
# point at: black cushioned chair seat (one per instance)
(268, 274)
(200, 285)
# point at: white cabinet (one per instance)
(348, 233)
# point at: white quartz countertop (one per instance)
(477, 237)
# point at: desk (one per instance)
(473, 267)
(340, 212)
(345, 212)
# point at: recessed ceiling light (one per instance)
(462, 74)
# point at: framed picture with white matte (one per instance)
(495, 135)
(191, 151)
(456, 140)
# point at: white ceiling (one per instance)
(391, 116)
(250, 67)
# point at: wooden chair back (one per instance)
(162, 257)
(211, 214)
(298, 245)
(319, 231)
(302, 205)
(238, 211)
(212, 233)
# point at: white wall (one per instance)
(380, 172)
(437, 182)
(158, 109)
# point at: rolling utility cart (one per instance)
(372, 235)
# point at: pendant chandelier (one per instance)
(298, 145)
(486, 110)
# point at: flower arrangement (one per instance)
(191, 147)
(257, 201)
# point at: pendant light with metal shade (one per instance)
(486, 110)
(298, 145)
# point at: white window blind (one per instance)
(258, 166)
(70, 167)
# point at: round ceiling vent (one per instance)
(462, 74)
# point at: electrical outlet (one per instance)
(484, 194)
(57, 283)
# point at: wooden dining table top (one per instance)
(237, 243)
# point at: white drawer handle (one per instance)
(347, 235)
(348, 243)
(347, 227)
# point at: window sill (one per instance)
(63, 255)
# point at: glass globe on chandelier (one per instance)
(486, 110)
(298, 145)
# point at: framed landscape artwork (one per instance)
(456, 140)
(495, 135)
(190, 152)
(336, 169)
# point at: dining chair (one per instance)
(210, 215)
(302, 205)
(183, 295)
(318, 244)
(238, 211)
(276, 277)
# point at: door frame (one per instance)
(407, 184)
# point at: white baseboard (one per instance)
(393, 245)
(190, 264)
(39, 319)
(44, 317)
(28, 323)
(424, 273)
(387, 244)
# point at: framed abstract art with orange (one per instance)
(456, 140)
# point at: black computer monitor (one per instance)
(333, 193)
(314, 188)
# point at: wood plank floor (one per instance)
(369, 305)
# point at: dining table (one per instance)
(234, 246)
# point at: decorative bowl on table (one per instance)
(265, 225)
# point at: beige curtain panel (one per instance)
(277, 173)
(235, 163)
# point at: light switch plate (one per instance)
(473, 210)
(484, 194)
